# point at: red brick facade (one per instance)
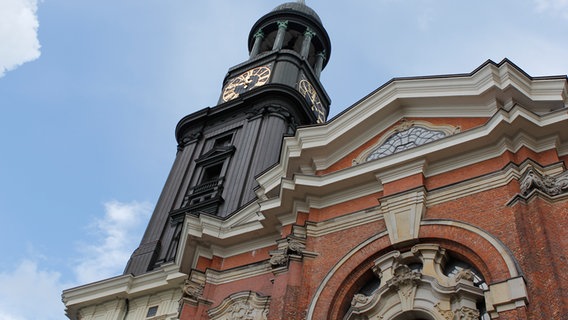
(530, 231)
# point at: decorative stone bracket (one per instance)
(552, 186)
(291, 246)
(193, 288)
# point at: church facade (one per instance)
(437, 198)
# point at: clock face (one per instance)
(248, 80)
(310, 94)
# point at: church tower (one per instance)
(222, 149)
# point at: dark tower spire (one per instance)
(222, 149)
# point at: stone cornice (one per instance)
(506, 131)
(470, 95)
(216, 277)
(344, 222)
(123, 287)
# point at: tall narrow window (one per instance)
(205, 196)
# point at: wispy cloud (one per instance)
(18, 33)
(31, 291)
(118, 233)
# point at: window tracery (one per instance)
(407, 135)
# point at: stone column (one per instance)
(320, 58)
(258, 36)
(282, 27)
(308, 35)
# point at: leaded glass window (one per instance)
(404, 140)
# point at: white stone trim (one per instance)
(216, 277)
(403, 213)
(248, 246)
(431, 97)
(325, 280)
(499, 246)
(505, 296)
(123, 287)
(344, 222)
(246, 220)
(402, 171)
(484, 183)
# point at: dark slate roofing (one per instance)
(297, 6)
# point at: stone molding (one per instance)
(345, 222)
(442, 93)
(246, 305)
(505, 296)
(216, 277)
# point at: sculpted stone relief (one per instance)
(245, 305)
(416, 283)
(552, 186)
(291, 246)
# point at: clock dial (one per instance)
(246, 81)
(312, 97)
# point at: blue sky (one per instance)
(91, 97)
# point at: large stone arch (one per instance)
(482, 250)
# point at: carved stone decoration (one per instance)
(360, 299)
(552, 186)
(465, 313)
(192, 289)
(241, 311)
(465, 274)
(415, 284)
(405, 281)
(245, 305)
(447, 314)
(296, 246)
(286, 247)
(278, 258)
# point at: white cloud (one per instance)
(28, 292)
(118, 234)
(18, 33)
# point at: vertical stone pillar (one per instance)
(282, 27)
(308, 35)
(320, 58)
(258, 36)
